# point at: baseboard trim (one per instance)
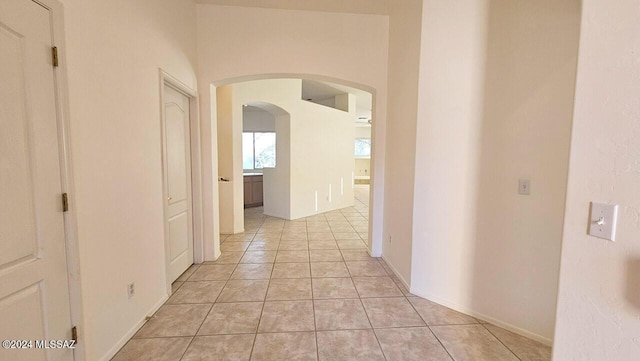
(395, 272)
(375, 255)
(287, 218)
(132, 331)
(467, 311)
(482, 317)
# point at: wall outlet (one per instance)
(389, 238)
(131, 289)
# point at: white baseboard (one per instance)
(281, 216)
(395, 271)
(376, 255)
(483, 317)
(470, 312)
(216, 255)
(132, 331)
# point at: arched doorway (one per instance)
(376, 196)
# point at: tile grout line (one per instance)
(369, 319)
(362, 303)
(499, 340)
(255, 335)
(271, 275)
(298, 331)
(215, 301)
(430, 330)
(164, 304)
(208, 312)
(351, 277)
(313, 303)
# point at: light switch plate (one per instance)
(524, 187)
(602, 220)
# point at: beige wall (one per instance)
(380, 7)
(599, 298)
(495, 105)
(114, 50)
(299, 43)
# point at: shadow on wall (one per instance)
(524, 133)
(633, 282)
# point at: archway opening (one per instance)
(326, 96)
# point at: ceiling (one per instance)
(372, 7)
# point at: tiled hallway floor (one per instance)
(308, 290)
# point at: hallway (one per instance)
(308, 290)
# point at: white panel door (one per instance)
(34, 294)
(177, 173)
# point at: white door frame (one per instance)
(196, 171)
(66, 168)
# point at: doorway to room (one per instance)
(323, 154)
(181, 177)
(326, 154)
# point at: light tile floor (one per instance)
(308, 290)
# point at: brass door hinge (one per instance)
(54, 55)
(74, 333)
(65, 202)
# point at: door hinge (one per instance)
(65, 202)
(54, 55)
(74, 333)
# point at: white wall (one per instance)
(495, 105)
(319, 151)
(599, 298)
(114, 50)
(451, 75)
(530, 73)
(404, 54)
(363, 132)
(241, 42)
(257, 120)
(277, 200)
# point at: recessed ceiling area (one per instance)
(372, 7)
(324, 93)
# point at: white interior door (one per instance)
(177, 169)
(34, 295)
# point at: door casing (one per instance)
(66, 169)
(196, 172)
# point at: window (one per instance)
(258, 150)
(363, 148)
